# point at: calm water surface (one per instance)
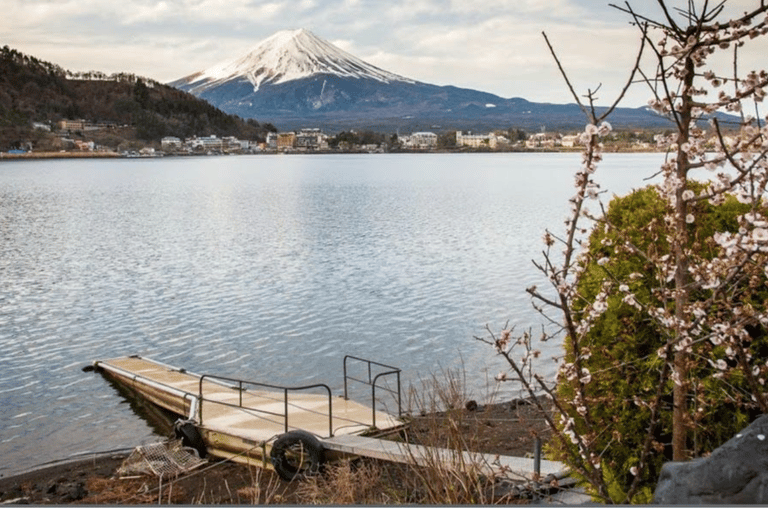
(268, 268)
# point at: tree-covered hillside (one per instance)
(32, 90)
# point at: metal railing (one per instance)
(371, 381)
(241, 389)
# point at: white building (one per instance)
(170, 143)
(419, 140)
(211, 143)
(232, 144)
(541, 140)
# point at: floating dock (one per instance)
(292, 429)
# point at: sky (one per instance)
(493, 46)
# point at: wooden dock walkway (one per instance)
(513, 468)
(242, 420)
(253, 413)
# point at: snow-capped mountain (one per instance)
(296, 79)
(288, 55)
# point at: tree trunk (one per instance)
(680, 391)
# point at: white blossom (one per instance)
(760, 235)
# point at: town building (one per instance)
(542, 140)
(206, 144)
(171, 143)
(471, 140)
(85, 146)
(419, 140)
(81, 125)
(311, 139)
(71, 125)
(286, 140)
(489, 140)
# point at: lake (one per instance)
(266, 268)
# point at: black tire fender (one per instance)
(312, 455)
(191, 437)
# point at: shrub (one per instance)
(620, 349)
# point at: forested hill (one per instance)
(32, 91)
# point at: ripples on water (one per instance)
(265, 268)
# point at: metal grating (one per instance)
(166, 459)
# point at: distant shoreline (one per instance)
(57, 154)
(45, 155)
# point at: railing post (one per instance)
(345, 378)
(200, 405)
(286, 409)
(372, 383)
(399, 406)
(373, 399)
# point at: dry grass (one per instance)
(347, 482)
(129, 492)
(443, 422)
(267, 489)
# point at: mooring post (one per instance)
(537, 457)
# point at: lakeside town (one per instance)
(88, 138)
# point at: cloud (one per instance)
(495, 46)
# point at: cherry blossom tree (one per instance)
(705, 294)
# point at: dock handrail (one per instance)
(372, 382)
(240, 390)
(193, 400)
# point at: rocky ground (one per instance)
(506, 429)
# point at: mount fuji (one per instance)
(296, 79)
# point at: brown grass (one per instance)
(266, 489)
(443, 421)
(128, 492)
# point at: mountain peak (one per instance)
(285, 56)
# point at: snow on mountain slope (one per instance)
(285, 56)
(295, 79)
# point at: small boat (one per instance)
(294, 430)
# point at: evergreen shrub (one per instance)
(621, 348)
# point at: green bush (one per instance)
(623, 343)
